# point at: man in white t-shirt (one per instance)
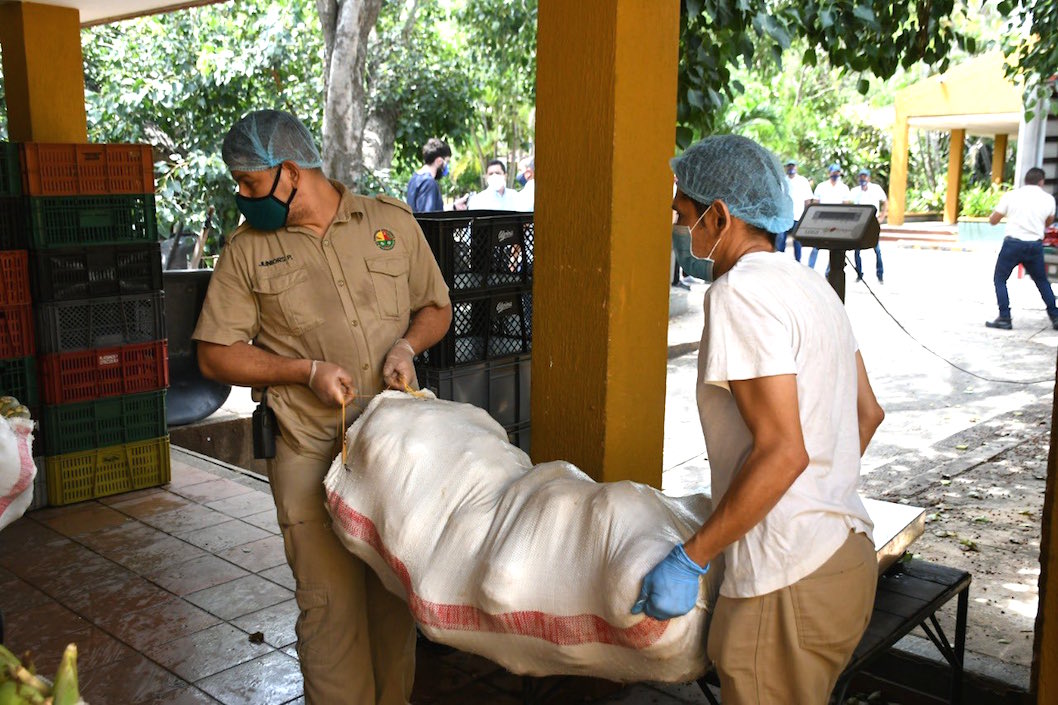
(800, 190)
(833, 190)
(870, 194)
(787, 410)
(1029, 210)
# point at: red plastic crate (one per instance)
(104, 372)
(14, 278)
(16, 331)
(86, 169)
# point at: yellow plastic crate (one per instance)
(76, 477)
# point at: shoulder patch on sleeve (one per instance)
(393, 202)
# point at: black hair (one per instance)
(1034, 176)
(433, 149)
(497, 161)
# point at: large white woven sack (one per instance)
(535, 568)
(16, 468)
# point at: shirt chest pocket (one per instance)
(286, 303)
(389, 277)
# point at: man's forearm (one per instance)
(428, 325)
(758, 487)
(245, 365)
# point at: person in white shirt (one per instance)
(871, 194)
(527, 180)
(800, 190)
(1029, 210)
(787, 410)
(496, 196)
(833, 190)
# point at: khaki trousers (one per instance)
(789, 647)
(356, 640)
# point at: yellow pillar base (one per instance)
(43, 73)
(955, 155)
(603, 223)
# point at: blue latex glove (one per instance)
(671, 588)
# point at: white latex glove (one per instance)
(398, 371)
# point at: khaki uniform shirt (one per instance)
(345, 297)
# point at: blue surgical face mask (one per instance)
(791, 170)
(863, 181)
(266, 212)
(835, 176)
(700, 267)
(442, 171)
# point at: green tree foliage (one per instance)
(874, 37)
(179, 80)
(500, 43)
(1033, 45)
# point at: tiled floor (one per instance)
(162, 589)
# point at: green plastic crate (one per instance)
(70, 428)
(90, 220)
(18, 379)
(90, 474)
(10, 170)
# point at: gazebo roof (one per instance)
(103, 11)
(974, 96)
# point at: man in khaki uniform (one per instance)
(321, 298)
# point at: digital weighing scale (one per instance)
(838, 228)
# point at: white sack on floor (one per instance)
(535, 568)
(16, 468)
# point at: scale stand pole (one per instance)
(836, 275)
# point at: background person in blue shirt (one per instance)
(423, 194)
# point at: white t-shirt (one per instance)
(1027, 210)
(490, 200)
(873, 195)
(524, 198)
(770, 316)
(800, 191)
(827, 192)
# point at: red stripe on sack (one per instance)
(25, 467)
(558, 629)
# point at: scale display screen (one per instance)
(838, 227)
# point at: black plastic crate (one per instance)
(518, 435)
(18, 379)
(72, 273)
(481, 250)
(112, 321)
(14, 223)
(10, 170)
(500, 387)
(484, 327)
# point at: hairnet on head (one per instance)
(742, 174)
(266, 138)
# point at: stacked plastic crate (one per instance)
(88, 213)
(18, 369)
(486, 258)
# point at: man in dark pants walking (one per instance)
(1029, 210)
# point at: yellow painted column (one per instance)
(606, 121)
(43, 73)
(898, 169)
(999, 158)
(1045, 648)
(955, 155)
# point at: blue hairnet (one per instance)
(266, 138)
(742, 174)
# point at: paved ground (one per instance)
(972, 451)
